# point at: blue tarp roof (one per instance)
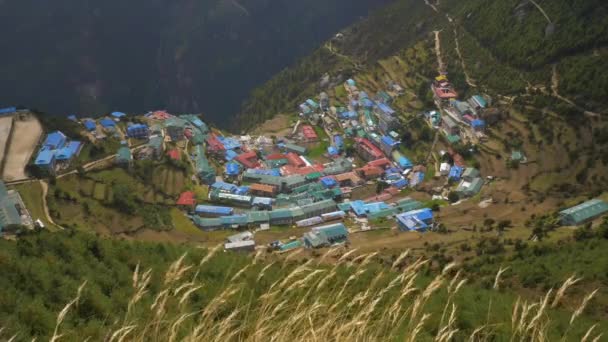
(72, 117)
(215, 210)
(267, 172)
(405, 163)
(367, 103)
(118, 114)
(400, 184)
(232, 169)
(45, 157)
(348, 115)
(386, 140)
(90, 125)
(351, 82)
(68, 151)
(333, 151)
(455, 172)
(55, 140)
(478, 123)
(229, 143)
(386, 109)
(338, 141)
(106, 122)
(328, 182)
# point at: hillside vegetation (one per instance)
(141, 291)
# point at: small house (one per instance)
(415, 220)
(326, 236)
(583, 212)
(124, 157)
(469, 188)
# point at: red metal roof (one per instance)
(186, 198)
(214, 143)
(262, 188)
(295, 159)
(383, 162)
(369, 147)
(275, 156)
(248, 159)
(174, 154)
(309, 132)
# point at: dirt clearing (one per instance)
(6, 123)
(26, 134)
(279, 125)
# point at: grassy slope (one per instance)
(42, 273)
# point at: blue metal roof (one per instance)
(338, 141)
(229, 143)
(211, 209)
(8, 110)
(328, 182)
(333, 151)
(386, 140)
(415, 219)
(45, 157)
(118, 114)
(361, 208)
(68, 151)
(405, 163)
(230, 155)
(90, 125)
(224, 186)
(242, 190)
(55, 140)
(351, 82)
(234, 220)
(455, 172)
(386, 109)
(232, 169)
(106, 122)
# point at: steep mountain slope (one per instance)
(510, 45)
(190, 56)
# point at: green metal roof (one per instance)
(452, 139)
(296, 148)
(280, 214)
(470, 172)
(258, 216)
(585, 211)
(314, 176)
(319, 206)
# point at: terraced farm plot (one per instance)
(99, 192)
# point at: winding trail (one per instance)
(470, 81)
(541, 11)
(440, 64)
(45, 190)
(555, 93)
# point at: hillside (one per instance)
(190, 56)
(507, 57)
(133, 289)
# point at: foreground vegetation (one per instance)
(74, 285)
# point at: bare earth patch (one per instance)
(279, 125)
(24, 141)
(5, 128)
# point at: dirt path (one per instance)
(541, 11)
(331, 49)
(440, 65)
(45, 190)
(431, 5)
(555, 93)
(468, 79)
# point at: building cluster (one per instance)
(56, 153)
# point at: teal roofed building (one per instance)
(124, 157)
(325, 236)
(204, 170)
(470, 188)
(295, 149)
(583, 212)
(156, 144)
(281, 217)
(8, 210)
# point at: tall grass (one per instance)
(349, 300)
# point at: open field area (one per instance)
(26, 134)
(31, 193)
(278, 125)
(6, 124)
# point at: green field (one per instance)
(31, 193)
